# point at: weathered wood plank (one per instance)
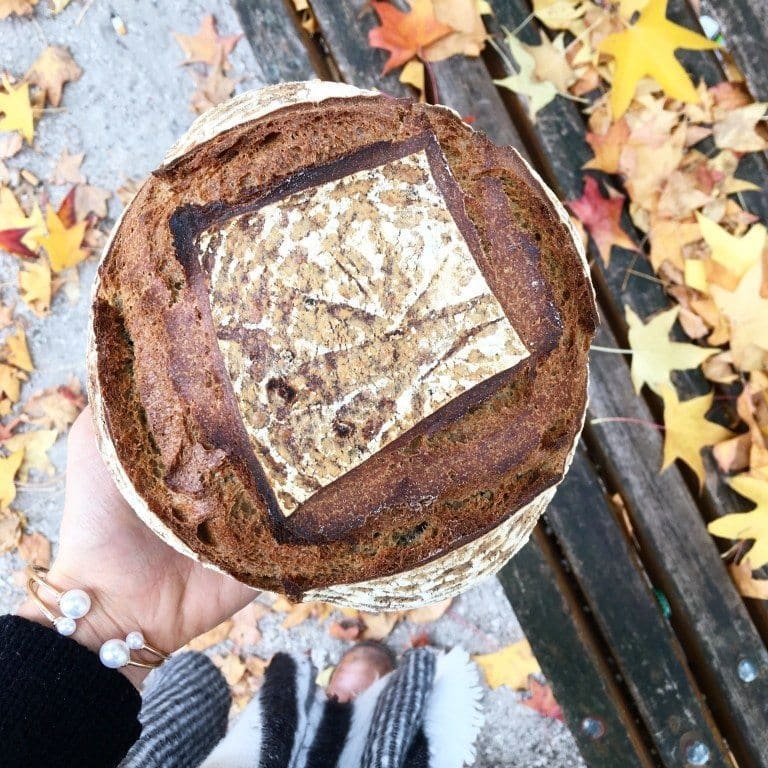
(280, 52)
(744, 25)
(576, 668)
(708, 614)
(627, 612)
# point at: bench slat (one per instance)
(628, 614)
(575, 666)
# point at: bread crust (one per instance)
(470, 480)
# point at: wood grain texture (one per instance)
(574, 664)
(708, 614)
(744, 25)
(646, 650)
(280, 52)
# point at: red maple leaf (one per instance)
(542, 699)
(10, 240)
(600, 215)
(66, 212)
(405, 34)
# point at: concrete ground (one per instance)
(130, 104)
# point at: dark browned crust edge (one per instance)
(220, 512)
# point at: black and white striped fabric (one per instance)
(183, 715)
(425, 714)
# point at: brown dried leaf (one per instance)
(89, 199)
(127, 190)
(346, 629)
(747, 585)
(10, 145)
(231, 666)
(12, 523)
(67, 170)
(733, 455)
(429, 612)
(52, 68)
(211, 637)
(211, 90)
(35, 549)
(56, 407)
(19, 7)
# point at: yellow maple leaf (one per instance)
(647, 49)
(12, 216)
(34, 445)
(35, 286)
(62, 244)
(539, 94)
(687, 431)
(747, 525)
(747, 314)
(736, 254)
(9, 466)
(510, 666)
(654, 355)
(17, 352)
(17, 110)
(10, 387)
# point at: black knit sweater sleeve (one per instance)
(59, 706)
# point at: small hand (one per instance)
(135, 580)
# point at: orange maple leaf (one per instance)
(600, 215)
(542, 700)
(404, 35)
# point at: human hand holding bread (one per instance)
(135, 580)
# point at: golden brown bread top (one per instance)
(168, 396)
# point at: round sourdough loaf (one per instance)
(338, 347)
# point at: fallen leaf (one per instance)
(733, 455)
(212, 89)
(736, 254)
(538, 94)
(647, 49)
(12, 216)
(35, 549)
(67, 170)
(62, 243)
(736, 129)
(11, 241)
(654, 355)
(231, 666)
(687, 431)
(747, 525)
(379, 625)
(212, 637)
(207, 46)
(19, 7)
(428, 612)
(510, 666)
(12, 525)
(10, 145)
(36, 444)
(35, 286)
(16, 351)
(90, 199)
(600, 215)
(57, 6)
(56, 407)
(607, 147)
(542, 700)
(127, 190)
(412, 73)
(17, 110)
(405, 35)
(10, 387)
(9, 466)
(746, 583)
(747, 314)
(468, 33)
(551, 62)
(52, 68)
(6, 316)
(559, 14)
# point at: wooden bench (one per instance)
(641, 633)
